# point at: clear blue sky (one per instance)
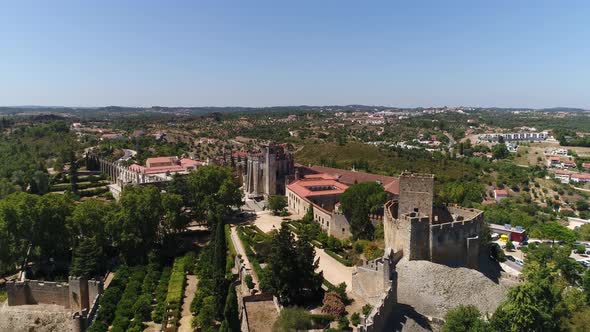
(318, 52)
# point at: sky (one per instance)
(318, 52)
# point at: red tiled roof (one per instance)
(186, 162)
(563, 172)
(390, 183)
(160, 160)
(320, 176)
(501, 192)
(586, 165)
(581, 176)
(302, 187)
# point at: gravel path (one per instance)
(241, 251)
(189, 294)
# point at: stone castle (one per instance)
(415, 229)
(447, 235)
(266, 171)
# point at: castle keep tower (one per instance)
(443, 234)
(416, 194)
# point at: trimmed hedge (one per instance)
(124, 311)
(109, 300)
(339, 258)
(161, 292)
(176, 285)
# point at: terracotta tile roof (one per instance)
(390, 183)
(160, 160)
(303, 188)
(320, 176)
(581, 176)
(186, 162)
(501, 192)
(563, 172)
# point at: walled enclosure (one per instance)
(443, 234)
(78, 294)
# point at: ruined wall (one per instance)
(372, 279)
(379, 319)
(389, 231)
(416, 191)
(456, 243)
(76, 295)
(418, 246)
(408, 233)
(34, 292)
(339, 227)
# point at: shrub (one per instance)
(160, 295)
(333, 304)
(367, 309)
(355, 319)
(249, 282)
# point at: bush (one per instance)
(367, 309)
(160, 295)
(355, 319)
(333, 304)
(249, 282)
(339, 258)
(496, 253)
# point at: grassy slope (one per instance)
(381, 160)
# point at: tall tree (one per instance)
(136, 223)
(73, 173)
(211, 190)
(357, 202)
(86, 260)
(292, 268)
(464, 319)
(230, 312)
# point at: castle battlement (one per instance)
(441, 234)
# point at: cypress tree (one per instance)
(231, 310)
(85, 262)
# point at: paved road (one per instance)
(128, 155)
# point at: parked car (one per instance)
(510, 258)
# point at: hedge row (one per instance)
(66, 186)
(108, 301)
(339, 258)
(125, 307)
(161, 292)
(175, 293)
(252, 257)
(93, 192)
(142, 307)
(231, 253)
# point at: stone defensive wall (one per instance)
(77, 294)
(34, 292)
(456, 242)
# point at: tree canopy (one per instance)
(357, 202)
(292, 268)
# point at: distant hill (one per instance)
(564, 109)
